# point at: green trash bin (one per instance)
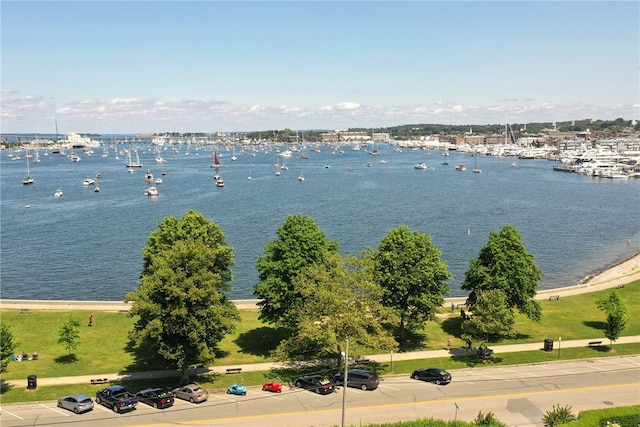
(548, 344)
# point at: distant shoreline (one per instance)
(625, 271)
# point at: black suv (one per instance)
(360, 378)
(316, 383)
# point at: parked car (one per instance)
(76, 402)
(315, 383)
(191, 392)
(117, 398)
(238, 389)
(272, 386)
(434, 375)
(359, 378)
(156, 397)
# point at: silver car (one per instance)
(76, 403)
(191, 392)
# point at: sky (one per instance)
(208, 66)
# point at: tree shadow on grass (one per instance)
(477, 360)
(413, 341)
(66, 359)
(145, 358)
(598, 325)
(261, 341)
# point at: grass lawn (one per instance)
(103, 347)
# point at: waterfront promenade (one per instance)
(624, 272)
(616, 276)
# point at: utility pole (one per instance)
(344, 384)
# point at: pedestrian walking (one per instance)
(449, 344)
(453, 307)
(91, 320)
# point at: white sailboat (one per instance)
(29, 179)
(476, 169)
(130, 163)
(301, 176)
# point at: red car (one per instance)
(272, 386)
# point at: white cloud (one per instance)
(126, 115)
(347, 106)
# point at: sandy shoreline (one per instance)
(617, 275)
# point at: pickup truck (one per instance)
(117, 398)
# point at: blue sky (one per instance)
(121, 66)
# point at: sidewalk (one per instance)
(381, 358)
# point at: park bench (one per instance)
(594, 343)
(554, 297)
(99, 381)
(234, 370)
(25, 310)
(620, 286)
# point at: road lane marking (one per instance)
(391, 388)
(54, 410)
(4, 411)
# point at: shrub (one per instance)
(559, 415)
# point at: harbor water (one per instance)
(87, 245)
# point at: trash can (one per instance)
(32, 382)
(548, 344)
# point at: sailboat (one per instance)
(216, 161)
(29, 179)
(476, 169)
(131, 164)
(301, 176)
(159, 158)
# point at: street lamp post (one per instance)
(345, 379)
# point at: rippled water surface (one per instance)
(87, 245)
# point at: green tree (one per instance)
(504, 263)
(412, 276)
(7, 346)
(617, 316)
(341, 301)
(299, 244)
(69, 335)
(180, 303)
(492, 318)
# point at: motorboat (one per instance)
(219, 182)
(461, 167)
(158, 181)
(148, 177)
(87, 182)
(151, 191)
(58, 193)
(420, 166)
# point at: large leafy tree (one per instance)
(617, 316)
(180, 303)
(492, 318)
(7, 346)
(299, 244)
(505, 264)
(412, 276)
(340, 301)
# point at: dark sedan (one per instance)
(315, 383)
(433, 375)
(156, 397)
